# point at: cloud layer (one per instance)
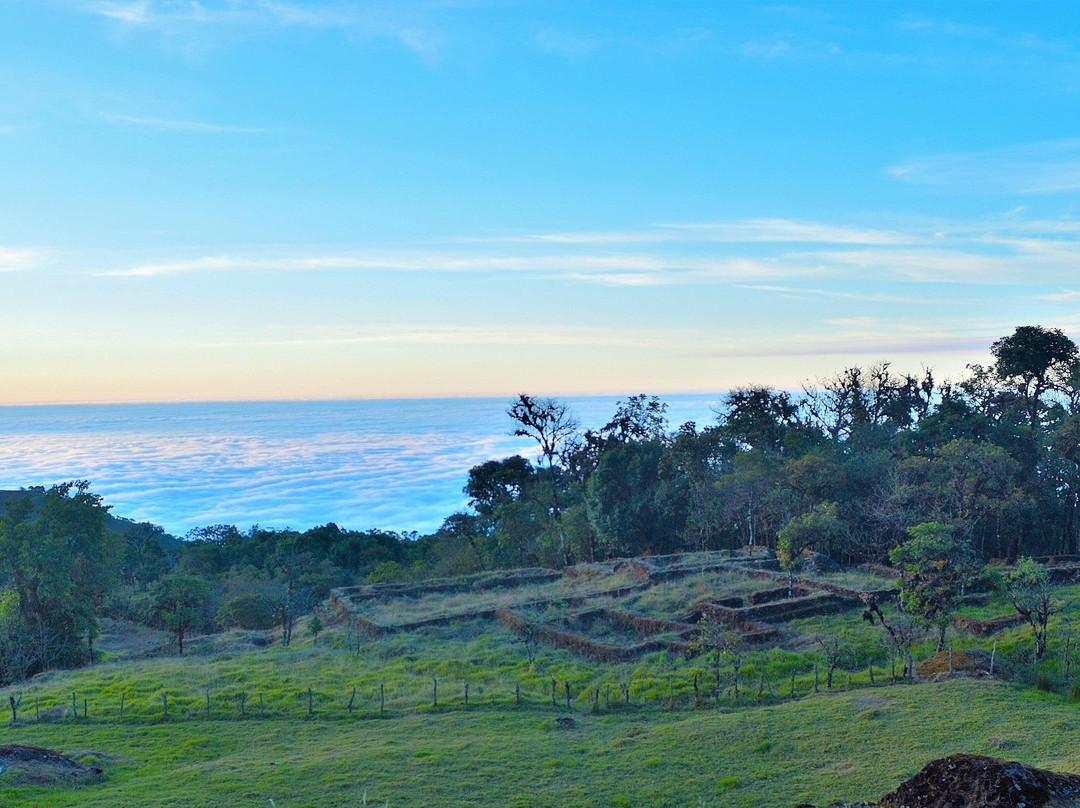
(395, 465)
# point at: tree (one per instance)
(759, 418)
(144, 559)
(554, 428)
(1033, 596)
(869, 405)
(969, 485)
(1035, 358)
(723, 643)
(934, 569)
(640, 418)
(833, 650)
(60, 560)
(818, 528)
(623, 503)
(177, 600)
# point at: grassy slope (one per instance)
(846, 745)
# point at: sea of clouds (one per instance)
(395, 465)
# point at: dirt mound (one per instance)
(964, 663)
(32, 765)
(974, 781)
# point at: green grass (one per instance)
(848, 745)
(658, 750)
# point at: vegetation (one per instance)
(699, 637)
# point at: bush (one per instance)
(251, 610)
(1042, 682)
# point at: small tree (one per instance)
(816, 528)
(934, 569)
(834, 657)
(902, 631)
(176, 602)
(724, 644)
(1033, 597)
(530, 636)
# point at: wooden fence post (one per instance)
(815, 678)
(208, 701)
(243, 702)
(352, 699)
(517, 692)
(309, 702)
(567, 685)
(382, 698)
(74, 706)
(792, 693)
(434, 692)
(870, 667)
(466, 694)
(553, 704)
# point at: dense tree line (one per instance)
(868, 465)
(845, 467)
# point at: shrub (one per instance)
(251, 610)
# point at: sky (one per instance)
(266, 199)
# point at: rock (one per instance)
(31, 765)
(974, 781)
(818, 562)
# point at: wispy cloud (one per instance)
(421, 334)
(749, 231)
(1064, 296)
(1031, 168)
(185, 18)
(20, 258)
(997, 251)
(806, 293)
(617, 268)
(179, 124)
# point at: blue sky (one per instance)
(250, 199)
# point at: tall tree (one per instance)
(555, 429)
(1037, 359)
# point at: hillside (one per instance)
(375, 704)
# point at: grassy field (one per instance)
(669, 745)
(847, 745)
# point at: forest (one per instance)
(869, 465)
